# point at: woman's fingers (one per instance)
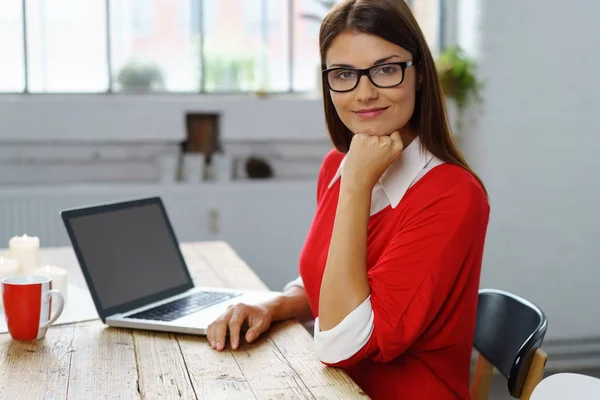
(220, 335)
(258, 320)
(240, 312)
(219, 330)
(253, 333)
(258, 326)
(210, 334)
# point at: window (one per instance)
(12, 68)
(150, 49)
(190, 15)
(66, 46)
(253, 17)
(247, 50)
(428, 13)
(277, 38)
(187, 46)
(142, 17)
(307, 61)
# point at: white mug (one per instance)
(28, 306)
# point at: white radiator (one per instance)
(36, 211)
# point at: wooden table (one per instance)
(89, 360)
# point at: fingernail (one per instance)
(234, 344)
(219, 345)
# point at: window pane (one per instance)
(427, 14)
(12, 71)
(66, 44)
(277, 45)
(155, 45)
(246, 45)
(307, 64)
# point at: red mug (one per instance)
(28, 306)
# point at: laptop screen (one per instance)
(127, 253)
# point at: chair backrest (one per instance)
(509, 330)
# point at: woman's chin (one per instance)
(374, 132)
(373, 128)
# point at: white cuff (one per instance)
(295, 283)
(346, 338)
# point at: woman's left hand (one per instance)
(368, 158)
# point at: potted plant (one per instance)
(140, 77)
(458, 76)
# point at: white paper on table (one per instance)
(78, 308)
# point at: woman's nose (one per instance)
(365, 90)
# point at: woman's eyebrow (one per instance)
(380, 61)
(340, 66)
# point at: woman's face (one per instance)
(368, 108)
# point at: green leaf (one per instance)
(458, 76)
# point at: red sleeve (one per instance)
(417, 270)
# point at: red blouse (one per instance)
(423, 265)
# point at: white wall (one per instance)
(126, 118)
(66, 139)
(536, 146)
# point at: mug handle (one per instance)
(60, 305)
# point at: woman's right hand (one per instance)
(368, 158)
(257, 318)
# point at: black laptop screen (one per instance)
(129, 253)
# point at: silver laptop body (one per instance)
(136, 274)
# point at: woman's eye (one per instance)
(387, 70)
(345, 75)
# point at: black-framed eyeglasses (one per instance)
(343, 79)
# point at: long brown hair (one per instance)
(393, 21)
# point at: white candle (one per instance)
(8, 268)
(58, 276)
(25, 249)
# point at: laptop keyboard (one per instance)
(184, 306)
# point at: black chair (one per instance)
(508, 336)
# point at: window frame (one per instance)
(200, 30)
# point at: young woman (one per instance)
(390, 268)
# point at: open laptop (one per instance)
(137, 276)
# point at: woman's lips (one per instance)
(370, 113)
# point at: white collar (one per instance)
(399, 177)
